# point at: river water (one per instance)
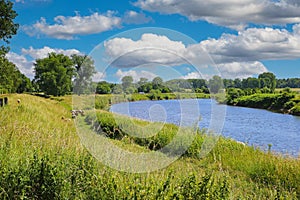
(255, 127)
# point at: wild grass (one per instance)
(42, 157)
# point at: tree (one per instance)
(145, 87)
(7, 26)
(198, 83)
(53, 74)
(11, 79)
(228, 83)
(103, 87)
(84, 70)
(25, 84)
(237, 83)
(267, 80)
(251, 83)
(157, 82)
(117, 89)
(215, 84)
(127, 82)
(142, 81)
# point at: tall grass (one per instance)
(41, 157)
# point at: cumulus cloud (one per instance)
(150, 49)
(232, 70)
(25, 61)
(193, 75)
(231, 13)
(235, 55)
(68, 27)
(136, 75)
(132, 17)
(253, 44)
(71, 26)
(43, 52)
(99, 76)
(241, 69)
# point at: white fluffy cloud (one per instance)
(27, 58)
(99, 76)
(136, 75)
(43, 52)
(71, 26)
(132, 17)
(68, 27)
(235, 55)
(232, 70)
(231, 13)
(241, 69)
(150, 49)
(193, 75)
(253, 44)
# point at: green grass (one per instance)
(286, 102)
(42, 157)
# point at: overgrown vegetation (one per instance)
(285, 101)
(42, 158)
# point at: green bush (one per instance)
(296, 109)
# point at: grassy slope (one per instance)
(42, 157)
(275, 102)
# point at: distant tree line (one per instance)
(288, 83)
(265, 81)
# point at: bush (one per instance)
(296, 110)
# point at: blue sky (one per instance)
(167, 38)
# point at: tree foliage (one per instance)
(11, 79)
(104, 87)
(289, 82)
(267, 80)
(215, 84)
(53, 74)
(84, 70)
(127, 84)
(7, 26)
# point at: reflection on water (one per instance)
(253, 126)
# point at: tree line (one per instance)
(60, 74)
(266, 81)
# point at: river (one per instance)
(256, 127)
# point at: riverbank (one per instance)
(287, 102)
(42, 157)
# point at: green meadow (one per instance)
(42, 157)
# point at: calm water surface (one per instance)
(253, 126)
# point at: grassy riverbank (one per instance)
(283, 101)
(42, 158)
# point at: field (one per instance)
(42, 157)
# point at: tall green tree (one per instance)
(54, 74)
(11, 79)
(215, 84)
(267, 80)
(142, 81)
(84, 71)
(237, 83)
(251, 83)
(8, 27)
(127, 84)
(157, 82)
(104, 87)
(25, 84)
